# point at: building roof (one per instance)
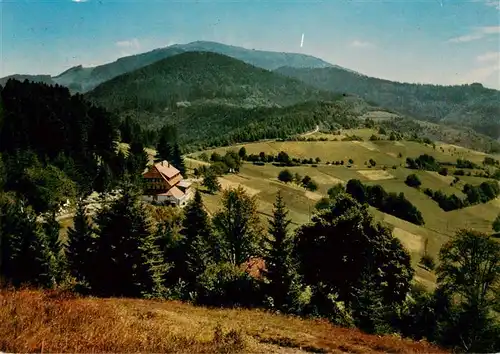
(184, 184)
(174, 192)
(166, 169)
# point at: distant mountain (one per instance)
(196, 77)
(82, 79)
(259, 58)
(470, 105)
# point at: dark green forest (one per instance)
(196, 76)
(343, 266)
(467, 105)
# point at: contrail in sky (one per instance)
(302, 41)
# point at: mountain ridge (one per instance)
(207, 76)
(470, 105)
(83, 79)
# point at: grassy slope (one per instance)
(53, 322)
(262, 182)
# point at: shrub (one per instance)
(443, 171)
(227, 285)
(428, 262)
(285, 176)
(413, 181)
(372, 162)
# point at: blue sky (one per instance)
(426, 41)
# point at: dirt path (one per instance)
(311, 132)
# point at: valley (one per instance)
(390, 172)
(277, 184)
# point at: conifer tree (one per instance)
(127, 254)
(80, 248)
(26, 257)
(164, 149)
(178, 160)
(137, 157)
(280, 268)
(238, 226)
(51, 229)
(197, 238)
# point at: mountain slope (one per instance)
(83, 79)
(64, 323)
(260, 58)
(201, 77)
(470, 105)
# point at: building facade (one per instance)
(165, 184)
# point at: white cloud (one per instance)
(478, 33)
(131, 43)
(493, 3)
(487, 73)
(466, 38)
(361, 44)
(490, 3)
(490, 56)
(79, 0)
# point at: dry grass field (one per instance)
(35, 321)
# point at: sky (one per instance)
(425, 41)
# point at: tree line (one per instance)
(342, 266)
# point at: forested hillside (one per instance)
(343, 265)
(471, 105)
(204, 125)
(83, 79)
(201, 76)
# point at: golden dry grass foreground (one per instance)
(36, 321)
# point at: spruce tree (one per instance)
(51, 229)
(26, 257)
(178, 160)
(197, 238)
(80, 248)
(163, 149)
(280, 268)
(127, 254)
(238, 226)
(137, 159)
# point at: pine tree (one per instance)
(127, 254)
(280, 268)
(52, 229)
(238, 226)
(197, 238)
(137, 158)
(80, 248)
(163, 149)
(178, 160)
(26, 257)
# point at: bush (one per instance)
(428, 262)
(285, 176)
(413, 181)
(227, 285)
(443, 171)
(372, 162)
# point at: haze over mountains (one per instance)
(159, 78)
